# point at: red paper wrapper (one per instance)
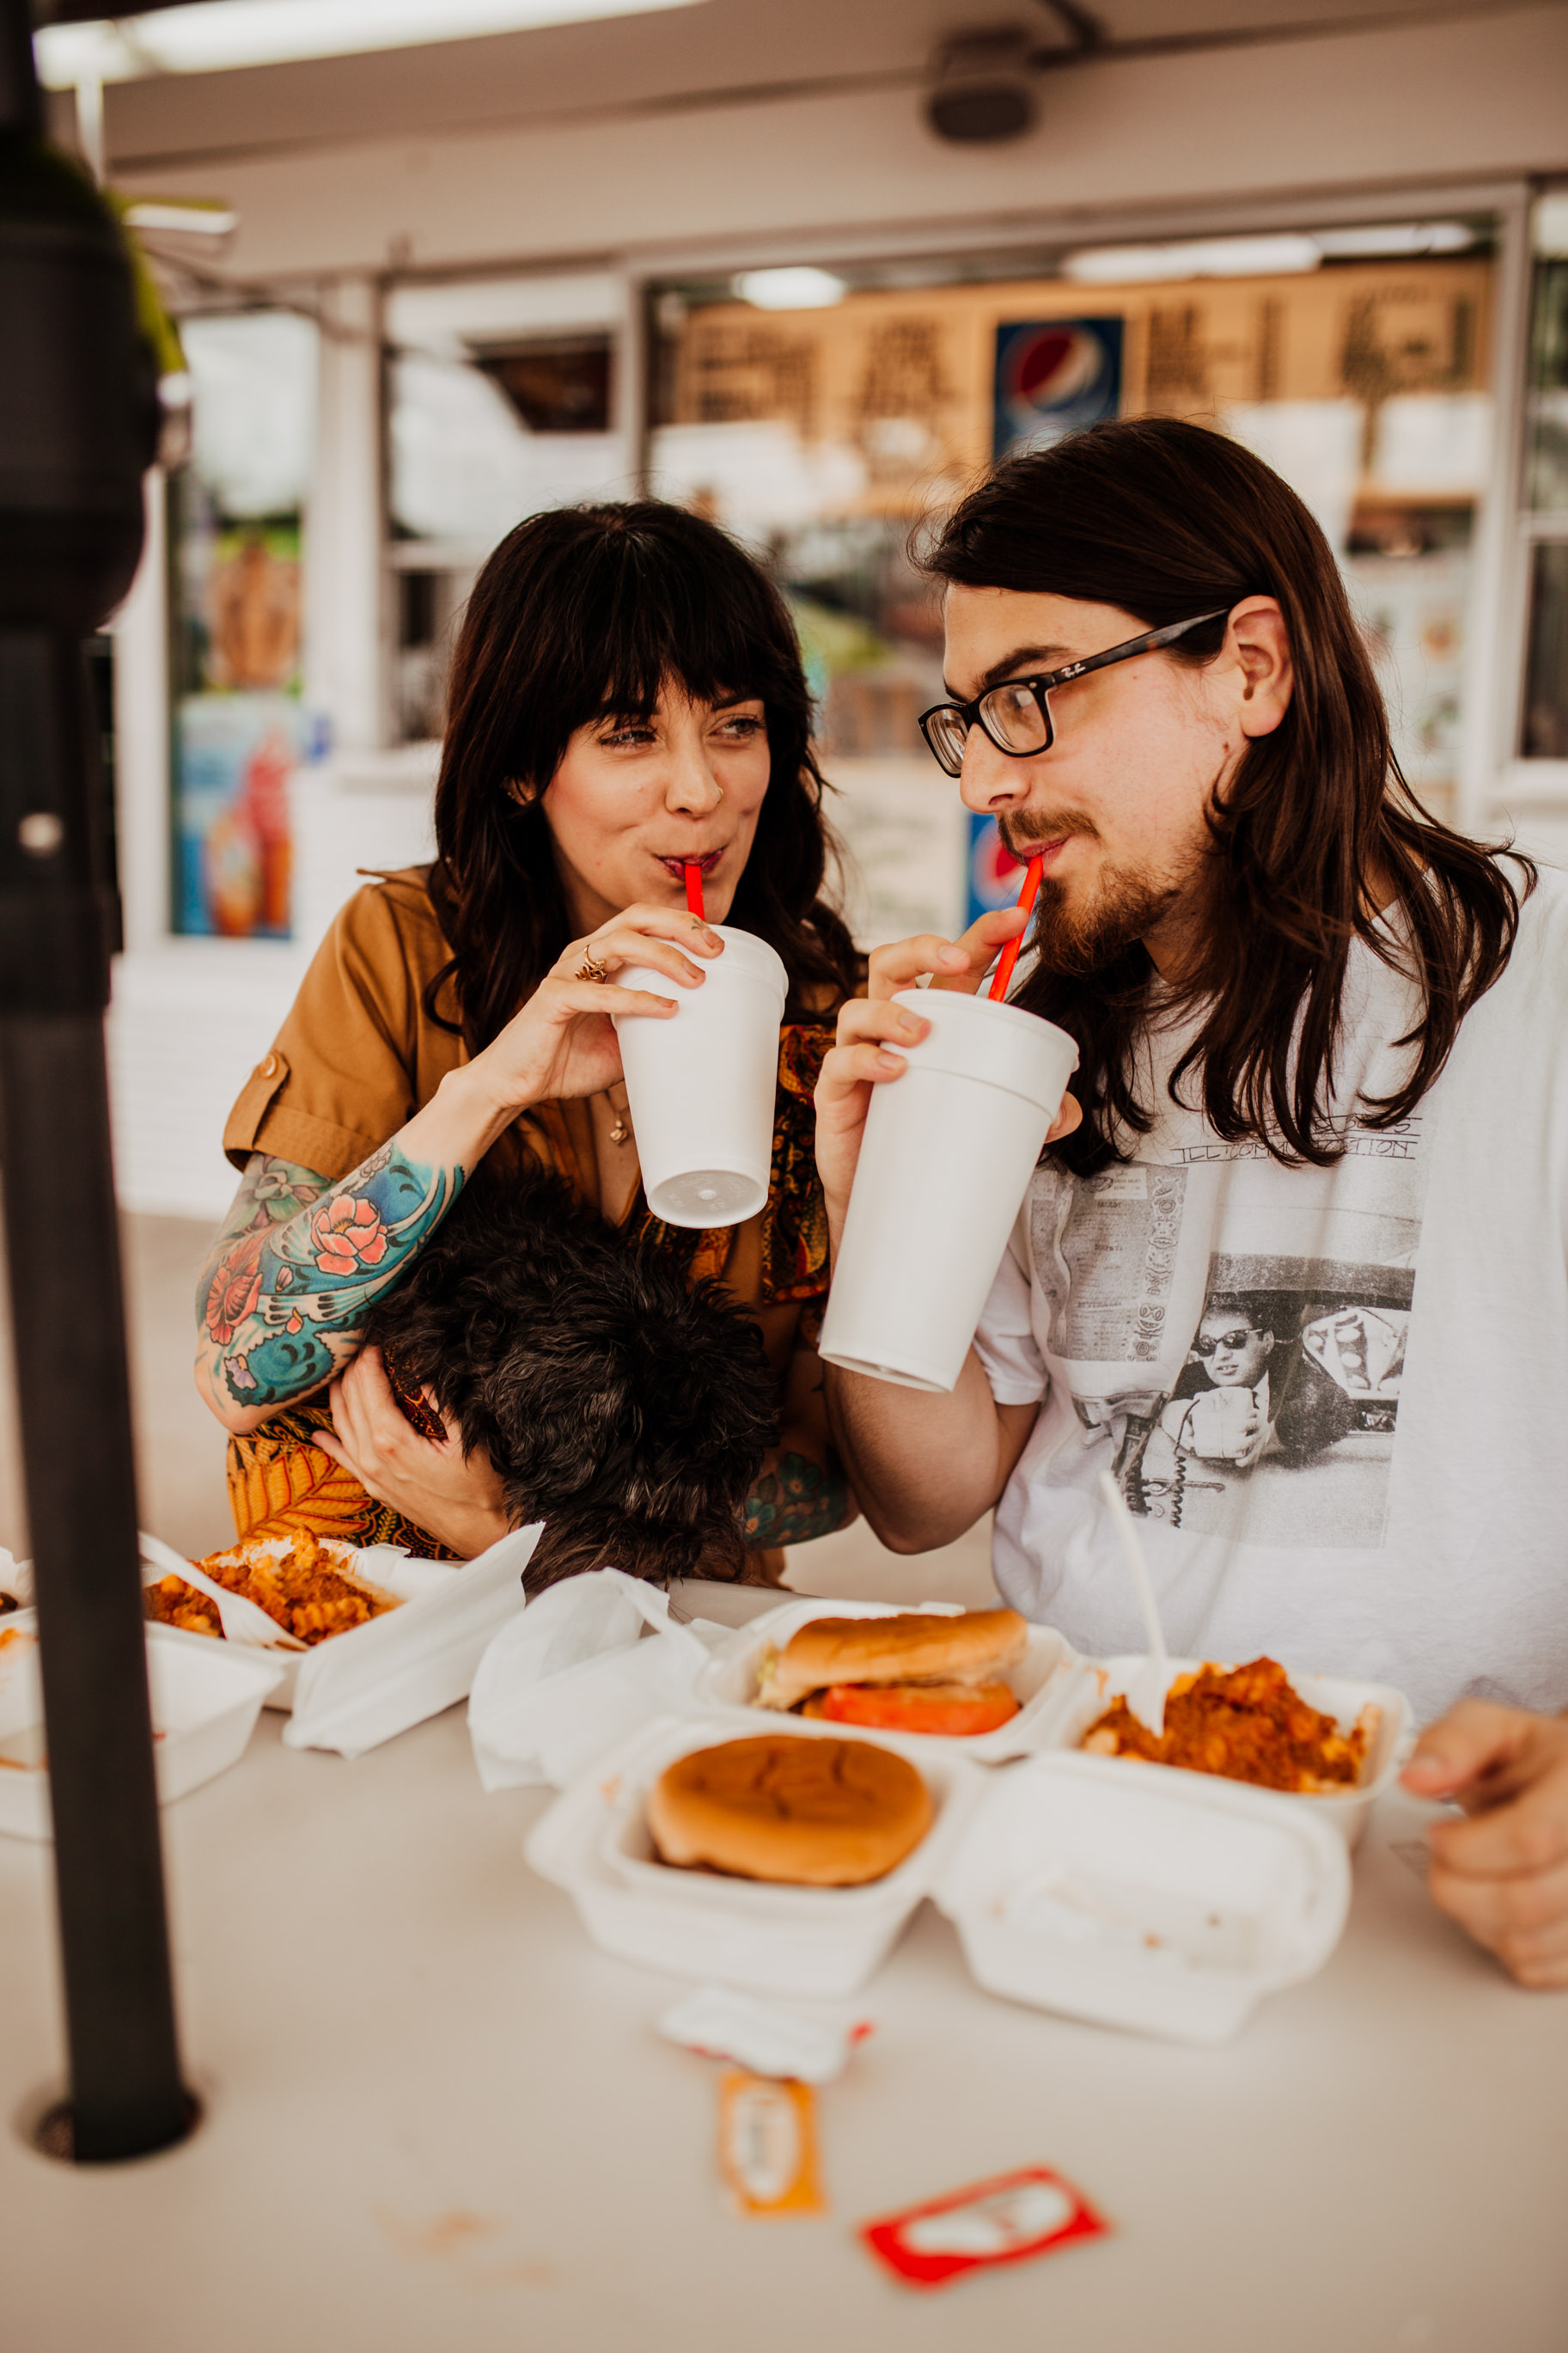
(1009, 2219)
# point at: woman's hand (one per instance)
(562, 1042)
(1503, 1874)
(456, 1498)
(872, 1028)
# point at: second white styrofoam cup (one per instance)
(946, 1158)
(701, 1088)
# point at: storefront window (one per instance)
(1543, 726)
(502, 402)
(237, 518)
(821, 435)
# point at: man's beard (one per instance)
(1078, 933)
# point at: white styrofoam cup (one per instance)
(946, 1158)
(701, 1088)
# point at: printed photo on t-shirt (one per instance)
(1295, 1381)
(1238, 1332)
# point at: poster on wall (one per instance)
(235, 754)
(237, 519)
(238, 730)
(1054, 376)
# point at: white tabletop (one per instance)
(436, 2117)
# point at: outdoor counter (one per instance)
(437, 2116)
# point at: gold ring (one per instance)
(590, 969)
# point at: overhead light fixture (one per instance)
(171, 217)
(1207, 256)
(1264, 256)
(218, 35)
(790, 289)
(1392, 240)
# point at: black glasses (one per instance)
(1230, 1341)
(1016, 715)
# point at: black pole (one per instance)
(77, 421)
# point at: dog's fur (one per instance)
(628, 1413)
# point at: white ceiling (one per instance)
(720, 53)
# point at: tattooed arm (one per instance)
(298, 1260)
(295, 1266)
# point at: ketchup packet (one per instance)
(767, 2145)
(1008, 2220)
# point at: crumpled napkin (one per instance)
(574, 1672)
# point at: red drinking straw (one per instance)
(694, 889)
(1027, 897)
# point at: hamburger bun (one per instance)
(910, 1648)
(809, 1812)
(952, 1711)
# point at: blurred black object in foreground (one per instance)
(77, 423)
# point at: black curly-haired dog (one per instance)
(628, 1413)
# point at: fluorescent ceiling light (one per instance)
(1208, 257)
(790, 289)
(1393, 239)
(1263, 257)
(213, 36)
(189, 220)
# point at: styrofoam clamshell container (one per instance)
(359, 1688)
(1098, 1682)
(823, 1941)
(1118, 1892)
(386, 1571)
(205, 1696)
(1043, 1680)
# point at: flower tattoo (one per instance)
(283, 1296)
(348, 1234)
(235, 1288)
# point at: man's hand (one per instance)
(430, 1482)
(871, 1028)
(1503, 1874)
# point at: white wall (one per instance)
(1471, 97)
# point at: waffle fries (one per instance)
(172, 1602)
(295, 1579)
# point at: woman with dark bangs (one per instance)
(626, 697)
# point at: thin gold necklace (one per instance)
(620, 1132)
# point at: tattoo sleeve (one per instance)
(298, 1260)
(796, 1500)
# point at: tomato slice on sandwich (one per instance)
(956, 1711)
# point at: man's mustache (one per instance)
(1021, 842)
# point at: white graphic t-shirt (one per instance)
(1336, 1400)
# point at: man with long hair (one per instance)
(1320, 1072)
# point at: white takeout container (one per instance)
(823, 1941)
(701, 1087)
(1098, 1682)
(947, 1156)
(359, 1688)
(1042, 1679)
(1118, 1892)
(207, 1696)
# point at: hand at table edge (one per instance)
(1503, 1873)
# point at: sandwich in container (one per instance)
(760, 1936)
(1041, 1680)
